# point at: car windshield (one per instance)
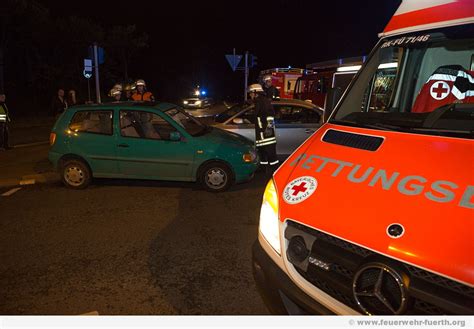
(418, 83)
(191, 125)
(227, 114)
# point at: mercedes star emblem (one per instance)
(379, 290)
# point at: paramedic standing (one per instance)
(270, 90)
(265, 138)
(141, 94)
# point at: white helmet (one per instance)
(255, 88)
(114, 92)
(117, 86)
(140, 82)
(266, 77)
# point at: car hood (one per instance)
(428, 189)
(216, 135)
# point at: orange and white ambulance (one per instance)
(374, 213)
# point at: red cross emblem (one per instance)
(298, 188)
(439, 90)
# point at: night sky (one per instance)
(188, 40)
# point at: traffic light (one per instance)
(253, 60)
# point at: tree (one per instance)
(123, 43)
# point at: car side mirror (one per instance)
(175, 136)
(332, 97)
(238, 121)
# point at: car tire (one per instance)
(75, 174)
(216, 177)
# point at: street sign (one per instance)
(87, 72)
(100, 54)
(253, 61)
(233, 60)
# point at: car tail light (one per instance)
(52, 138)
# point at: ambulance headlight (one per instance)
(185, 102)
(269, 223)
(198, 102)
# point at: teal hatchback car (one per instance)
(156, 141)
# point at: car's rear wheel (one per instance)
(216, 177)
(75, 174)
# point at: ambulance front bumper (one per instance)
(279, 293)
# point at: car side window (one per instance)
(288, 114)
(143, 124)
(95, 122)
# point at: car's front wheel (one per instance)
(75, 174)
(216, 177)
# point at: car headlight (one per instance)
(185, 102)
(198, 103)
(269, 224)
(249, 156)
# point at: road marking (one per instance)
(10, 192)
(27, 182)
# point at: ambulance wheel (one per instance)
(75, 174)
(216, 177)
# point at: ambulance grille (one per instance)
(363, 142)
(430, 294)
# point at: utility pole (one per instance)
(88, 91)
(246, 68)
(96, 66)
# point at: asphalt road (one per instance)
(129, 247)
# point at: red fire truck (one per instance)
(320, 77)
(284, 79)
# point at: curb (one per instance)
(30, 144)
(33, 179)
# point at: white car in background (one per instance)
(295, 121)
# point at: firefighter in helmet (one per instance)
(270, 90)
(141, 94)
(115, 93)
(265, 137)
(128, 91)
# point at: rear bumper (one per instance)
(54, 157)
(279, 293)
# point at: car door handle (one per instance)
(123, 145)
(309, 131)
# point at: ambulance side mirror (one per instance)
(332, 97)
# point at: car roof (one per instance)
(162, 106)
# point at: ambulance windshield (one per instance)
(418, 83)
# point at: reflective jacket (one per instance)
(272, 92)
(146, 96)
(265, 121)
(3, 112)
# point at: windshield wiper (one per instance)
(444, 131)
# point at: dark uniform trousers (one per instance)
(265, 137)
